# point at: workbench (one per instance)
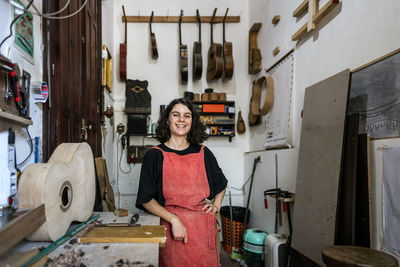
(102, 254)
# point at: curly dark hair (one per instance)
(197, 133)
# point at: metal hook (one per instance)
(151, 20)
(226, 13)
(180, 18)
(198, 16)
(213, 16)
(123, 10)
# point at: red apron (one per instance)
(185, 185)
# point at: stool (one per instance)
(351, 256)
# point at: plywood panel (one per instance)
(142, 234)
(319, 165)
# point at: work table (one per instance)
(102, 254)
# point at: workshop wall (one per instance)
(163, 77)
(35, 68)
(354, 33)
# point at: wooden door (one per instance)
(72, 64)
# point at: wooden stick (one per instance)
(301, 9)
(185, 19)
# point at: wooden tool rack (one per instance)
(185, 19)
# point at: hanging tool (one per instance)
(131, 223)
(286, 197)
(14, 86)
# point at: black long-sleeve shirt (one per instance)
(150, 184)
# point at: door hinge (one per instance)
(53, 69)
(83, 39)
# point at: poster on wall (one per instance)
(375, 95)
(23, 32)
(278, 121)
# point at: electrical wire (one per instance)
(30, 153)
(62, 17)
(48, 14)
(120, 159)
(257, 160)
(119, 193)
(12, 23)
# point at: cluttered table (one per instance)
(75, 253)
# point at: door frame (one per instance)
(51, 112)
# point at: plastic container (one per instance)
(238, 214)
(254, 249)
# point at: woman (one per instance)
(177, 180)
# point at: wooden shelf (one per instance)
(185, 19)
(215, 102)
(218, 124)
(14, 118)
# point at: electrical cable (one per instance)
(120, 160)
(62, 17)
(48, 14)
(30, 153)
(12, 23)
(257, 160)
(119, 193)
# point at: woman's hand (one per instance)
(208, 206)
(178, 230)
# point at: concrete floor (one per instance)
(226, 260)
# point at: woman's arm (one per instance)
(216, 206)
(178, 229)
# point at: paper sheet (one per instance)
(391, 200)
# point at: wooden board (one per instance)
(363, 225)
(319, 165)
(18, 259)
(104, 183)
(20, 227)
(346, 215)
(142, 234)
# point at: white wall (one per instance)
(355, 33)
(35, 68)
(163, 75)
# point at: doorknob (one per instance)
(84, 129)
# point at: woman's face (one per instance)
(180, 120)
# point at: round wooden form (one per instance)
(351, 256)
(66, 185)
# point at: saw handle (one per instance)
(14, 86)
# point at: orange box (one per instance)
(216, 108)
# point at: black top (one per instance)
(150, 184)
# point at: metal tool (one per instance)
(134, 218)
(132, 222)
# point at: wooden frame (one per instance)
(317, 15)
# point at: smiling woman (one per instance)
(176, 179)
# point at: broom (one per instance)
(235, 254)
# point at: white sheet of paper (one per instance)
(391, 200)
